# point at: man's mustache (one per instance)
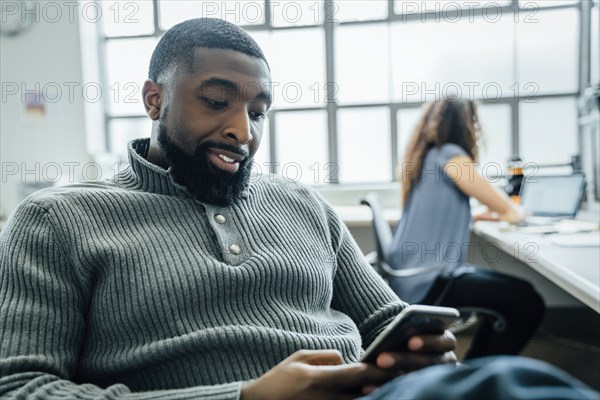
(201, 149)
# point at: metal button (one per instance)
(235, 249)
(220, 219)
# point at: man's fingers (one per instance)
(433, 343)
(317, 357)
(413, 361)
(425, 350)
(324, 372)
(354, 376)
(369, 389)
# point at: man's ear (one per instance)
(152, 94)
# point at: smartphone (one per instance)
(413, 320)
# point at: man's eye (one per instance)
(257, 116)
(214, 103)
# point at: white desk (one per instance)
(361, 216)
(574, 269)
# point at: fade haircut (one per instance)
(177, 45)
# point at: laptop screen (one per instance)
(553, 196)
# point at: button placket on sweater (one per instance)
(230, 240)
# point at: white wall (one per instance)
(48, 54)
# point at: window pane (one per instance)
(262, 156)
(364, 145)
(298, 65)
(296, 13)
(302, 146)
(407, 120)
(547, 52)
(408, 7)
(548, 131)
(121, 131)
(496, 150)
(263, 38)
(360, 10)
(129, 18)
(532, 4)
(595, 46)
(239, 12)
(362, 63)
(469, 59)
(127, 69)
(590, 157)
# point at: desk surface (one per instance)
(574, 269)
(361, 216)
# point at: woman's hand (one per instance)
(487, 215)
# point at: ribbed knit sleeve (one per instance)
(359, 291)
(44, 296)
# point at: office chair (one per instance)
(379, 260)
(383, 242)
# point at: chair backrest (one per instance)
(381, 228)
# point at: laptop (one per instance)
(549, 199)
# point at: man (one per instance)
(186, 278)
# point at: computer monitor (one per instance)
(553, 196)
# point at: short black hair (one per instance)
(177, 45)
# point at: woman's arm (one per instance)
(461, 170)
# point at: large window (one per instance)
(350, 76)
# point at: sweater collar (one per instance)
(145, 176)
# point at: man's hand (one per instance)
(424, 351)
(315, 374)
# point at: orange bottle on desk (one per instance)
(515, 179)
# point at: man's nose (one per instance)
(238, 128)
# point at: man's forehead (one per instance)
(211, 60)
(226, 71)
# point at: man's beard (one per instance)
(201, 177)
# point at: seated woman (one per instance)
(438, 177)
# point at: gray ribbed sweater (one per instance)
(131, 289)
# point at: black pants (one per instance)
(516, 300)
